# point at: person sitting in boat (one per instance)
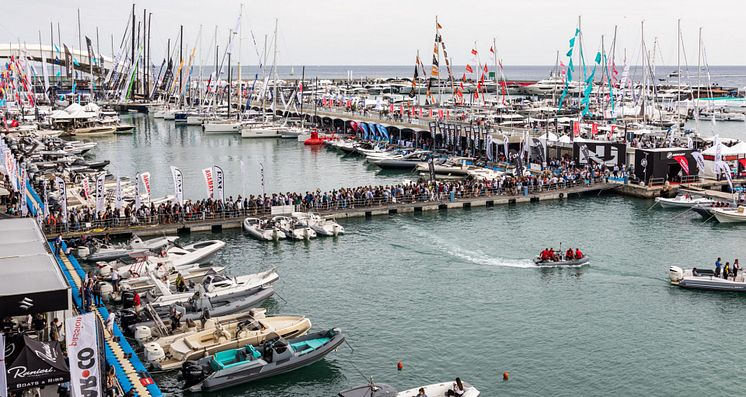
(544, 256)
(694, 272)
(569, 255)
(421, 392)
(457, 390)
(578, 253)
(180, 283)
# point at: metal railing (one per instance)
(423, 194)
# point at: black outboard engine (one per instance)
(192, 373)
(127, 318)
(128, 299)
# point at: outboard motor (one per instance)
(128, 299)
(127, 318)
(676, 274)
(192, 373)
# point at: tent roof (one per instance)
(30, 281)
(739, 148)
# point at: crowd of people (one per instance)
(560, 174)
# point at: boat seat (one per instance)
(193, 344)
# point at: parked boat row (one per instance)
(297, 226)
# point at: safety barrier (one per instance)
(328, 207)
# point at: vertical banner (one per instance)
(100, 192)
(3, 369)
(505, 147)
(46, 198)
(63, 197)
(178, 184)
(261, 175)
(118, 195)
(207, 174)
(24, 200)
(219, 183)
(137, 192)
(86, 188)
(489, 146)
(145, 176)
(83, 353)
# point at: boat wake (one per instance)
(444, 246)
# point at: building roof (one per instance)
(30, 280)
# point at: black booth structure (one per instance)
(611, 154)
(657, 166)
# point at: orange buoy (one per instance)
(505, 376)
(400, 365)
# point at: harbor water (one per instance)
(456, 294)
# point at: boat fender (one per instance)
(399, 366)
(505, 376)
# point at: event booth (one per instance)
(656, 166)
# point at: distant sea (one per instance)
(727, 76)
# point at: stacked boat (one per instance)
(296, 226)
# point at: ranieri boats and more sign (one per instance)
(85, 356)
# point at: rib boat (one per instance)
(384, 390)
(705, 279)
(277, 356)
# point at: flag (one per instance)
(683, 162)
(492, 50)
(594, 129)
(100, 192)
(485, 70)
(91, 53)
(488, 142)
(468, 69)
(697, 156)
(62, 197)
(86, 188)
(137, 191)
(178, 184)
(68, 61)
(576, 128)
(219, 183)
(145, 176)
(118, 200)
(207, 174)
(474, 51)
(438, 25)
(82, 340)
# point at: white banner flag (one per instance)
(118, 195)
(3, 369)
(83, 353)
(505, 147)
(100, 192)
(219, 183)
(24, 201)
(178, 184)
(488, 142)
(62, 197)
(207, 173)
(137, 192)
(145, 176)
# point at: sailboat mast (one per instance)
(274, 73)
(678, 69)
(239, 90)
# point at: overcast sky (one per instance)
(389, 32)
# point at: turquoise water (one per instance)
(455, 293)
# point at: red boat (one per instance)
(314, 139)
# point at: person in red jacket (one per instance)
(136, 302)
(569, 255)
(578, 253)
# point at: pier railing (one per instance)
(323, 207)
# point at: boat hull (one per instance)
(578, 262)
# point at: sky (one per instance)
(390, 32)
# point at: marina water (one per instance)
(455, 294)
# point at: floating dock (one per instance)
(130, 371)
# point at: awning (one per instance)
(30, 281)
(31, 363)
